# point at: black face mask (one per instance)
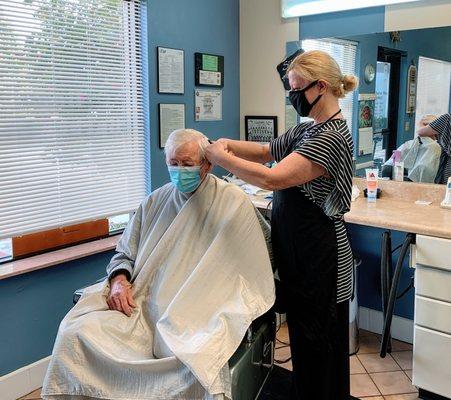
(300, 102)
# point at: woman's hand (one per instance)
(215, 152)
(120, 297)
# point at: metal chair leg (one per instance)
(410, 238)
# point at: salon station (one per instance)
(225, 200)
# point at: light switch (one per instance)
(406, 126)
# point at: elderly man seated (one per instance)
(191, 273)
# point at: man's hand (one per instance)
(120, 297)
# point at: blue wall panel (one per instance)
(366, 242)
(414, 43)
(200, 26)
(33, 305)
(354, 22)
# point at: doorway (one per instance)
(388, 77)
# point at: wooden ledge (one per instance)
(56, 257)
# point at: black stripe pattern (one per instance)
(442, 125)
(331, 146)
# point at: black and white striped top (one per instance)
(331, 146)
(442, 125)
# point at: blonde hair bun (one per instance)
(350, 83)
(318, 65)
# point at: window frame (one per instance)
(85, 226)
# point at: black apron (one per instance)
(306, 256)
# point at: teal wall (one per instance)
(33, 304)
(414, 43)
(344, 23)
(195, 26)
(367, 242)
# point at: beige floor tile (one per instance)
(363, 332)
(282, 353)
(403, 358)
(33, 395)
(410, 396)
(374, 363)
(356, 366)
(363, 386)
(397, 345)
(287, 365)
(373, 398)
(369, 344)
(408, 372)
(393, 383)
(282, 334)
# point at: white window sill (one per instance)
(56, 257)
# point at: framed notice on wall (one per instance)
(171, 70)
(260, 129)
(208, 105)
(171, 118)
(209, 70)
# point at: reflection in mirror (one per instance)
(400, 115)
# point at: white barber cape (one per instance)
(201, 275)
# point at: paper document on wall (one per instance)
(209, 78)
(171, 77)
(208, 105)
(365, 141)
(172, 117)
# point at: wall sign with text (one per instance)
(209, 70)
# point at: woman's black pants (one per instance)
(320, 371)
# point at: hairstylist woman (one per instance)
(312, 184)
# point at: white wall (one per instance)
(424, 14)
(263, 35)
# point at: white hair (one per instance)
(182, 136)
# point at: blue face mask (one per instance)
(185, 179)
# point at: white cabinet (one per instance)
(431, 363)
(433, 283)
(432, 336)
(433, 314)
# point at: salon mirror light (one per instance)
(298, 8)
(410, 88)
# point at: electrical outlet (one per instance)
(406, 126)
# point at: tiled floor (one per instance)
(372, 377)
(32, 396)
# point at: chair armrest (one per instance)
(77, 294)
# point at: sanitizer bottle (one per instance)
(398, 167)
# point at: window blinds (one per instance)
(344, 53)
(71, 120)
(432, 88)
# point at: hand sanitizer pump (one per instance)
(446, 203)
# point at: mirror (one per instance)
(404, 85)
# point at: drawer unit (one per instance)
(433, 314)
(434, 252)
(433, 283)
(431, 361)
(432, 332)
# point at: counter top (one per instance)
(405, 216)
(396, 212)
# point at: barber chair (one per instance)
(252, 362)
